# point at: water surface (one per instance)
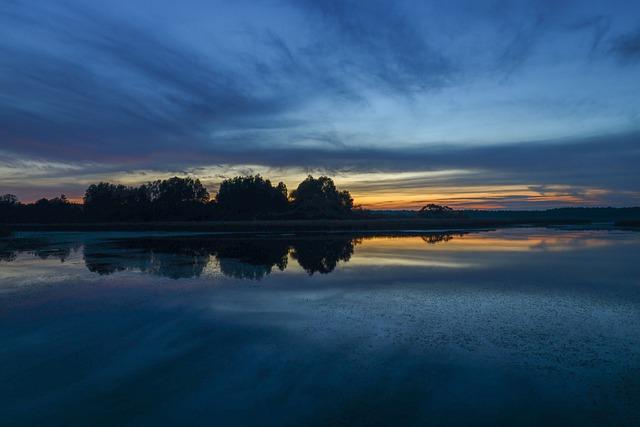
(515, 327)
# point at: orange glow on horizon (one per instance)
(469, 197)
(483, 199)
(389, 191)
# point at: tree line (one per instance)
(187, 199)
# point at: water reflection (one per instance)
(417, 329)
(257, 256)
(246, 258)
(41, 248)
(178, 257)
(432, 239)
(103, 259)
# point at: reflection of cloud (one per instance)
(245, 258)
(413, 249)
(517, 242)
(393, 260)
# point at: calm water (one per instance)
(511, 327)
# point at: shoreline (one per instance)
(363, 225)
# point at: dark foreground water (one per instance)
(512, 327)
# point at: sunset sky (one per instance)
(481, 104)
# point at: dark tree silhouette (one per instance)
(177, 198)
(58, 209)
(10, 208)
(174, 198)
(174, 191)
(251, 197)
(243, 197)
(319, 198)
(439, 211)
(111, 202)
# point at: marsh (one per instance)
(519, 326)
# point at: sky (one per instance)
(476, 104)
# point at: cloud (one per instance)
(94, 85)
(378, 43)
(627, 47)
(137, 92)
(599, 25)
(609, 160)
(107, 93)
(551, 167)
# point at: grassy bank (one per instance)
(300, 225)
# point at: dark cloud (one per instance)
(377, 42)
(627, 47)
(121, 89)
(606, 161)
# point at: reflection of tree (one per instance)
(169, 259)
(272, 252)
(177, 267)
(323, 254)
(97, 264)
(41, 248)
(8, 255)
(183, 257)
(432, 239)
(241, 270)
(247, 258)
(62, 253)
(251, 259)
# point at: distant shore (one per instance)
(377, 224)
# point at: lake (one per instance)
(521, 326)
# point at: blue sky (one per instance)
(506, 104)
